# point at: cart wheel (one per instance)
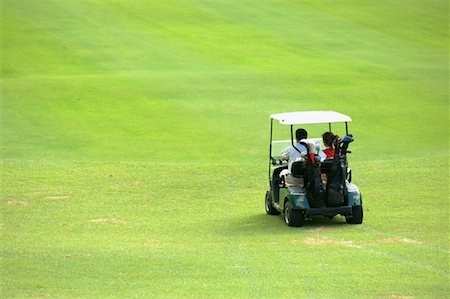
(293, 217)
(270, 210)
(358, 214)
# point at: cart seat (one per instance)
(287, 179)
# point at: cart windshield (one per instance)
(278, 146)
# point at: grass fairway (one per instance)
(134, 141)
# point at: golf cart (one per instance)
(320, 186)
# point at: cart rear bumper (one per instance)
(344, 210)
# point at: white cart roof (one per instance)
(310, 117)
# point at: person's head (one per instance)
(328, 139)
(301, 134)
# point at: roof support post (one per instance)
(292, 135)
(270, 146)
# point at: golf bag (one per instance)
(336, 193)
(313, 179)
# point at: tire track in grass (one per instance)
(404, 261)
(383, 237)
(310, 241)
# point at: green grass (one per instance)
(134, 143)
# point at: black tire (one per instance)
(270, 210)
(293, 217)
(349, 219)
(357, 217)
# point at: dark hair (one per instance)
(328, 139)
(301, 134)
